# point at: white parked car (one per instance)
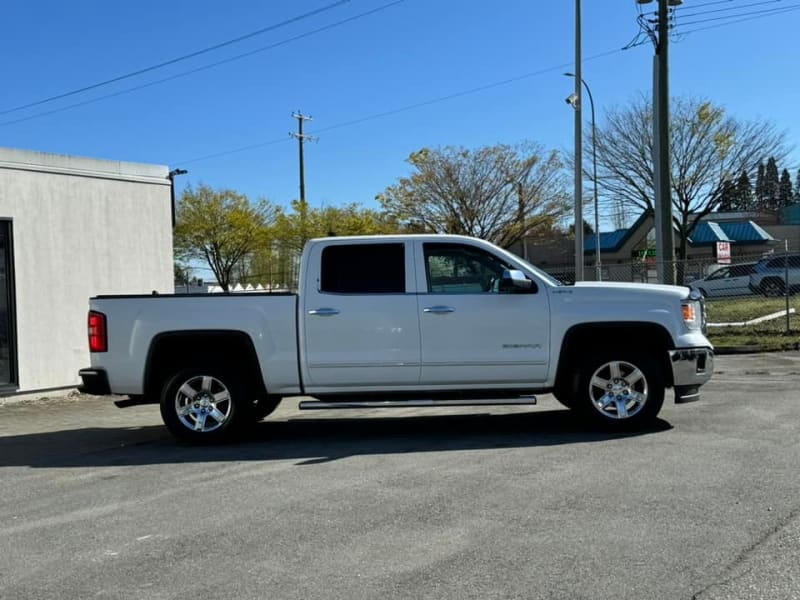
(733, 280)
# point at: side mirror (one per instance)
(514, 280)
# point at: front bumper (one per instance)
(95, 382)
(691, 368)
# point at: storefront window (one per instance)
(7, 349)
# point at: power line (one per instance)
(282, 140)
(757, 15)
(738, 7)
(702, 4)
(204, 67)
(454, 95)
(767, 11)
(786, 9)
(180, 58)
(406, 108)
(783, 10)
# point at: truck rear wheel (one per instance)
(205, 405)
(619, 389)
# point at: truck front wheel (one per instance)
(620, 390)
(204, 405)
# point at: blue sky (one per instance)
(404, 53)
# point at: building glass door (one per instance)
(8, 358)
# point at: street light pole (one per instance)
(171, 176)
(578, 150)
(598, 272)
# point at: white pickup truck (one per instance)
(415, 320)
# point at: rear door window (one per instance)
(741, 270)
(364, 269)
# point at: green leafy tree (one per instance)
(708, 148)
(498, 193)
(220, 227)
(277, 263)
(182, 273)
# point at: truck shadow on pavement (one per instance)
(309, 440)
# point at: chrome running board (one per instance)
(319, 404)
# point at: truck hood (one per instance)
(621, 290)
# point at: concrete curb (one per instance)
(755, 349)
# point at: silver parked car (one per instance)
(769, 276)
(732, 280)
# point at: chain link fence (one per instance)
(733, 302)
(741, 300)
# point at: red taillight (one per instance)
(97, 332)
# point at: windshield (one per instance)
(546, 276)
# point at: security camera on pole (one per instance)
(572, 100)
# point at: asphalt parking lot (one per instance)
(98, 502)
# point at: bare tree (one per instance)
(708, 148)
(498, 193)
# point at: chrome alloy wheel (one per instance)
(618, 390)
(203, 403)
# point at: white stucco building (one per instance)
(71, 228)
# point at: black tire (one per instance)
(772, 288)
(619, 389)
(264, 407)
(205, 405)
(565, 396)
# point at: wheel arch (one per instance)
(768, 280)
(585, 336)
(171, 351)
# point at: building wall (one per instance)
(786, 235)
(81, 227)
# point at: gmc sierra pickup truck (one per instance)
(416, 320)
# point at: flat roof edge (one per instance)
(65, 164)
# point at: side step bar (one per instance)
(319, 404)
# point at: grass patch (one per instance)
(769, 335)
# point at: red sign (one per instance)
(724, 253)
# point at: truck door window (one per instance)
(462, 269)
(363, 269)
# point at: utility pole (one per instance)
(301, 139)
(662, 202)
(521, 216)
(663, 198)
(578, 149)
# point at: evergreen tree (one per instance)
(796, 197)
(771, 185)
(785, 189)
(760, 191)
(744, 192)
(727, 197)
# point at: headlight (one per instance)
(693, 314)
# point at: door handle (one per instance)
(324, 312)
(439, 310)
